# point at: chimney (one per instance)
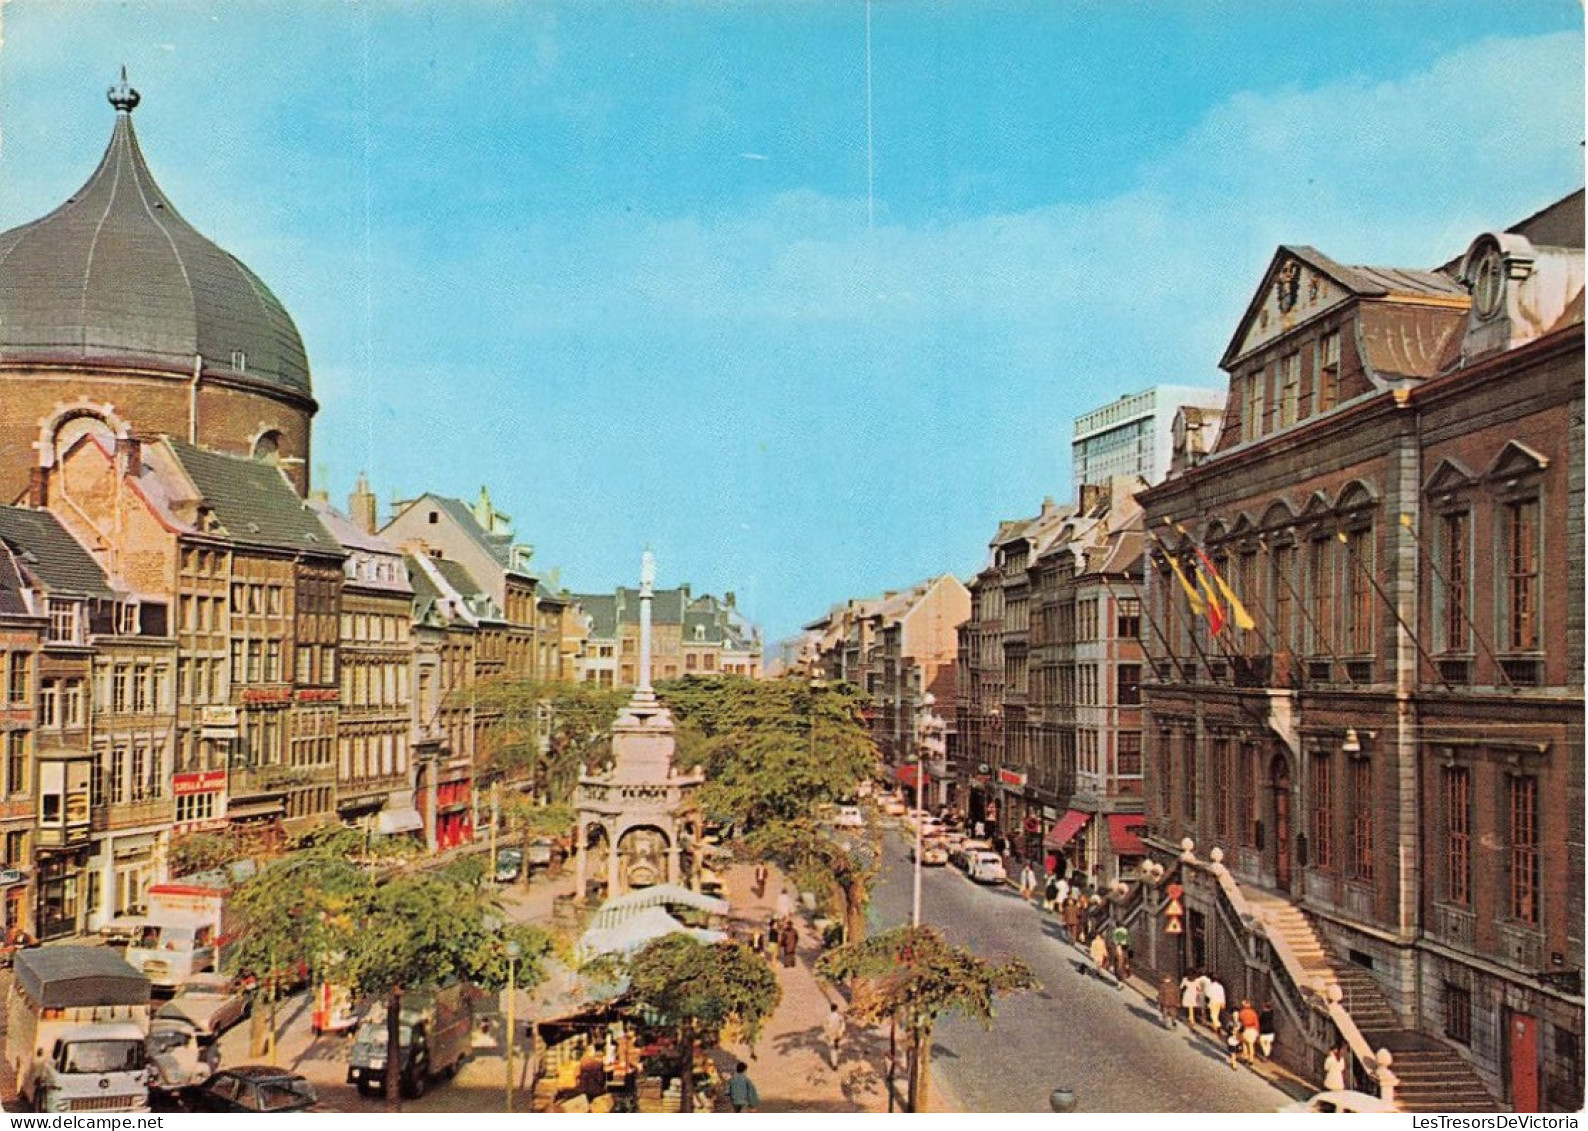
(730, 599)
(1091, 495)
(39, 487)
(362, 507)
(129, 454)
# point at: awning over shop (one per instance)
(631, 935)
(622, 907)
(1124, 830)
(906, 773)
(1062, 833)
(390, 821)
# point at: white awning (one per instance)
(619, 908)
(399, 821)
(631, 935)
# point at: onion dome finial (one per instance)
(122, 96)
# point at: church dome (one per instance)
(116, 278)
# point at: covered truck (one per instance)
(435, 1034)
(76, 1023)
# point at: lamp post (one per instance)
(513, 951)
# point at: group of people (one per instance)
(1247, 1032)
(780, 940)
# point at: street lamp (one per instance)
(513, 951)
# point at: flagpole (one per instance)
(1141, 603)
(1406, 521)
(1301, 605)
(1192, 631)
(1394, 612)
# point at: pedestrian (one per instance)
(1232, 1039)
(741, 1089)
(1265, 1029)
(833, 1027)
(981, 830)
(760, 879)
(788, 942)
(1168, 1000)
(1050, 893)
(1334, 1071)
(1215, 1002)
(1190, 998)
(1064, 890)
(1099, 951)
(785, 905)
(1121, 941)
(1247, 1016)
(1028, 881)
(592, 1075)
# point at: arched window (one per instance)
(267, 448)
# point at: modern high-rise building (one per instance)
(1135, 434)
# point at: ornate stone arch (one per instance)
(70, 421)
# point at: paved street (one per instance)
(1105, 1043)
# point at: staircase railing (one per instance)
(1318, 1013)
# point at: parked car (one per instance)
(934, 853)
(849, 817)
(210, 1003)
(986, 868)
(508, 863)
(253, 1088)
(1342, 1101)
(892, 804)
(180, 1057)
(967, 851)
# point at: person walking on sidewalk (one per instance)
(1247, 1016)
(1028, 881)
(1265, 1030)
(788, 942)
(1168, 1000)
(1099, 952)
(833, 1027)
(1216, 1001)
(1190, 998)
(741, 1089)
(1120, 941)
(760, 879)
(1050, 894)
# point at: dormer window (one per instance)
(1488, 283)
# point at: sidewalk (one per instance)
(789, 1062)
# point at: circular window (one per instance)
(1488, 284)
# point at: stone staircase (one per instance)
(1433, 1078)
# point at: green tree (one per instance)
(424, 929)
(823, 862)
(698, 988)
(543, 731)
(916, 976)
(202, 852)
(773, 750)
(296, 914)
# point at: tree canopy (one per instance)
(544, 730)
(773, 750)
(700, 987)
(915, 975)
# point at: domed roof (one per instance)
(116, 277)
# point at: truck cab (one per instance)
(172, 951)
(76, 1024)
(435, 1034)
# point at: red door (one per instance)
(1523, 1033)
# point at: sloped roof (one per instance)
(116, 275)
(253, 502)
(11, 585)
(499, 546)
(426, 595)
(602, 609)
(458, 577)
(50, 556)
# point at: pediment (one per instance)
(1356, 495)
(1447, 477)
(1299, 285)
(1317, 507)
(1516, 460)
(1278, 515)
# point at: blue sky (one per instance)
(618, 260)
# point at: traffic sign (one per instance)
(1172, 927)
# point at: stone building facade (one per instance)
(1389, 761)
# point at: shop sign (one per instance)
(1012, 779)
(257, 695)
(319, 694)
(9, 876)
(209, 781)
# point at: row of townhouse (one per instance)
(900, 649)
(190, 647)
(690, 636)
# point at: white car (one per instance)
(892, 805)
(849, 817)
(1342, 1101)
(986, 868)
(210, 1003)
